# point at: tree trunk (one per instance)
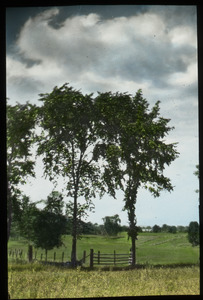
(74, 233)
(73, 253)
(30, 252)
(133, 251)
(9, 212)
(130, 205)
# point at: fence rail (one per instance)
(95, 258)
(37, 255)
(109, 258)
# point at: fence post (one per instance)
(98, 257)
(84, 256)
(41, 255)
(91, 258)
(29, 253)
(46, 255)
(114, 257)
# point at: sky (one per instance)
(115, 48)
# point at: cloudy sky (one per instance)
(115, 48)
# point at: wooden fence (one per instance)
(95, 258)
(109, 259)
(15, 253)
(37, 255)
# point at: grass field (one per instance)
(40, 281)
(170, 268)
(152, 248)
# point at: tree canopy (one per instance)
(113, 141)
(41, 227)
(21, 120)
(193, 233)
(133, 147)
(112, 224)
(66, 143)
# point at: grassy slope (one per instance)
(161, 248)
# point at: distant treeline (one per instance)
(90, 228)
(102, 229)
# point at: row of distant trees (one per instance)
(170, 229)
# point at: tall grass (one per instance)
(39, 281)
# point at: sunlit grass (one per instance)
(152, 248)
(36, 280)
(39, 281)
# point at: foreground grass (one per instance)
(40, 281)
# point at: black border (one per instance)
(3, 209)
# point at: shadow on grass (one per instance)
(141, 266)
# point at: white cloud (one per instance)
(184, 78)
(124, 49)
(183, 35)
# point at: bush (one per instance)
(156, 229)
(193, 233)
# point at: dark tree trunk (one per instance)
(30, 252)
(133, 251)
(9, 212)
(130, 205)
(74, 233)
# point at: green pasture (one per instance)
(152, 248)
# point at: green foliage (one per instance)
(50, 224)
(66, 142)
(172, 229)
(182, 228)
(98, 145)
(132, 148)
(66, 118)
(48, 229)
(112, 224)
(81, 213)
(196, 173)
(156, 228)
(54, 203)
(42, 228)
(193, 233)
(164, 228)
(25, 213)
(21, 119)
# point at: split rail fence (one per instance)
(95, 258)
(37, 255)
(98, 258)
